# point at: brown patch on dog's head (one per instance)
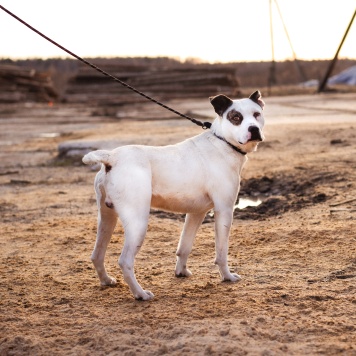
(220, 103)
(235, 117)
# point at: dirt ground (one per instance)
(296, 252)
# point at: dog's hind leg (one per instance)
(134, 210)
(107, 219)
(135, 227)
(191, 226)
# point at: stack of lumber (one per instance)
(177, 80)
(21, 84)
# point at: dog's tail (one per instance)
(99, 156)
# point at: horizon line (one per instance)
(195, 60)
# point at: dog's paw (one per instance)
(109, 282)
(232, 277)
(183, 273)
(145, 295)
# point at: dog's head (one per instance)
(240, 122)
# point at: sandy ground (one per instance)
(296, 252)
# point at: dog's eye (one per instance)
(235, 117)
(256, 115)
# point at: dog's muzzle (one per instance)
(255, 133)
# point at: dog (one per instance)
(191, 177)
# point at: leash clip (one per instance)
(206, 125)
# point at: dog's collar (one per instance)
(231, 145)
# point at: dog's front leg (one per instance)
(191, 226)
(223, 221)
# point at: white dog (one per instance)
(191, 177)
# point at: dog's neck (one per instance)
(237, 149)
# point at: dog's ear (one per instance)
(220, 103)
(256, 97)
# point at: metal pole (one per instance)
(333, 62)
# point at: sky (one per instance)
(213, 31)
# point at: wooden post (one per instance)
(333, 62)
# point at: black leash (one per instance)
(204, 125)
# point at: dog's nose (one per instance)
(255, 133)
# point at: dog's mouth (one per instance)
(255, 140)
(252, 139)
